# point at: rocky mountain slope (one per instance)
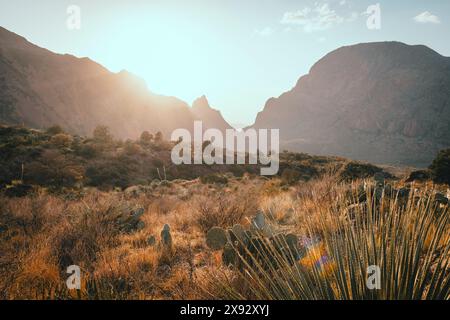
(381, 102)
(39, 88)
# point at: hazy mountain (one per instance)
(211, 118)
(382, 102)
(39, 88)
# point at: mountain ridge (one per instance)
(41, 88)
(202, 110)
(384, 102)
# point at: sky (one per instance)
(238, 53)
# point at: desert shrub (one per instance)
(214, 179)
(102, 134)
(146, 138)
(290, 176)
(159, 136)
(53, 169)
(109, 173)
(419, 175)
(237, 170)
(131, 148)
(86, 234)
(273, 187)
(225, 210)
(158, 163)
(87, 150)
(61, 140)
(440, 168)
(54, 130)
(357, 170)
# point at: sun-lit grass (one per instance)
(408, 239)
(409, 242)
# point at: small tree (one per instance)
(440, 168)
(158, 136)
(61, 140)
(131, 148)
(102, 134)
(53, 130)
(146, 138)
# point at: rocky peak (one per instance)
(201, 103)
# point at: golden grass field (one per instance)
(408, 238)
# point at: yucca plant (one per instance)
(408, 243)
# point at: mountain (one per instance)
(381, 102)
(211, 118)
(39, 88)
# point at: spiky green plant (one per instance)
(409, 242)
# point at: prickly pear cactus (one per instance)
(243, 248)
(259, 225)
(238, 232)
(166, 237)
(229, 255)
(138, 213)
(216, 238)
(151, 241)
(259, 222)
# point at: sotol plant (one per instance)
(409, 243)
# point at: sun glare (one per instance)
(175, 58)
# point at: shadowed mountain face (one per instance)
(39, 88)
(380, 102)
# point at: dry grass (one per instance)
(41, 236)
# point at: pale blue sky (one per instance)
(237, 52)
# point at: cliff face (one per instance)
(381, 102)
(39, 88)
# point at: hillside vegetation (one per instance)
(140, 228)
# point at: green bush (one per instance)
(290, 176)
(55, 130)
(214, 179)
(440, 168)
(356, 170)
